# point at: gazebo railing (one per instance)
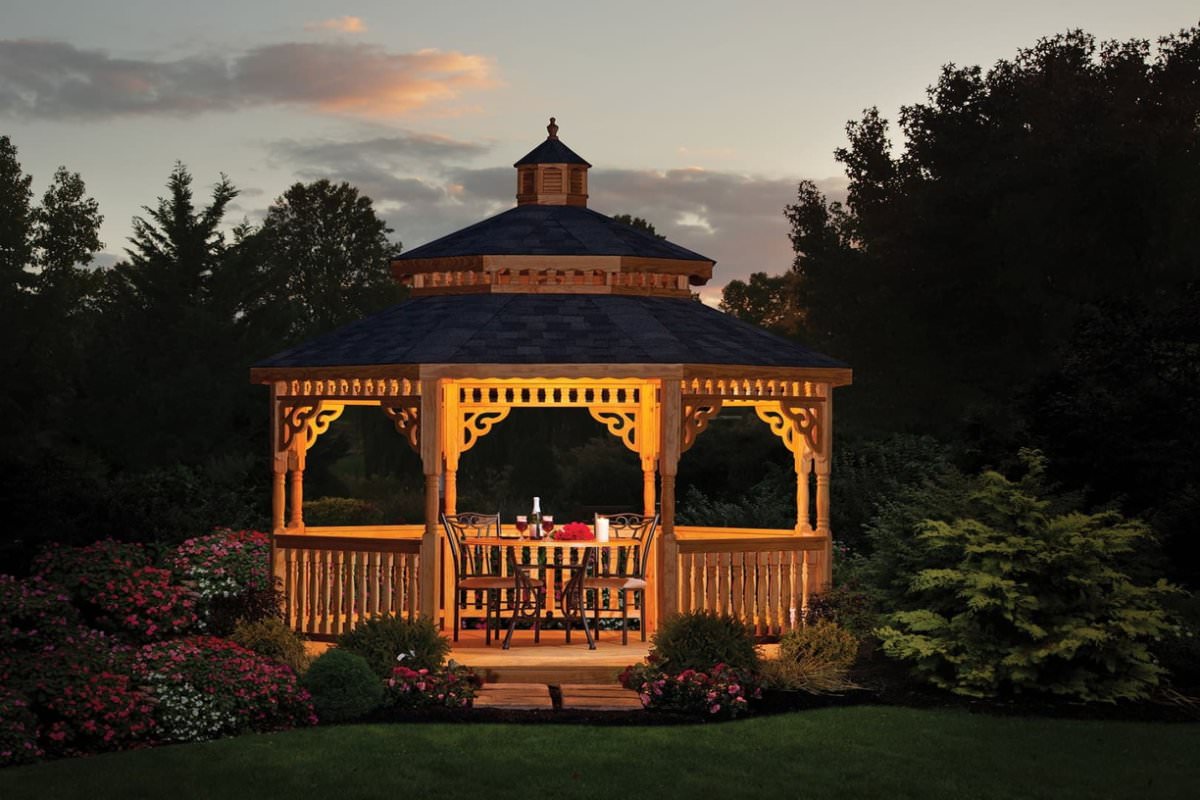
(764, 577)
(334, 578)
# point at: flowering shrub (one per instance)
(83, 570)
(18, 731)
(575, 531)
(208, 687)
(81, 691)
(33, 612)
(94, 713)
(114, 588)
(144, 605)
(231, 573)
(721, 692)
(453, 686)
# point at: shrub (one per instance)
(231, 572)
(80, 689)
(719, 692)
(698, 640)
(33, 613)
(343, 686)
(814, 658)
(1013, 597)
(342, 511)
(272, 639)
(115, 588)
(846, 603)
(208, 687)
(383, 640)
(825, 641)
(453, 686)
(83, 571)
(18, 730)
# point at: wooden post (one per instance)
(670, 427)
(803, 472)
(296, 462)
(823, 465)
(452, 425)
(278, 465)
(648, 443)
(431, 464)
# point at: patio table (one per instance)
(541, 557)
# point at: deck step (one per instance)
(514, 696)
(566, 697)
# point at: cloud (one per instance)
(340, 24)
(56, 80)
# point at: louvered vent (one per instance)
(552, 181)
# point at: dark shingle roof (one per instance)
(551, 151)
(549, 329)
(533, 230)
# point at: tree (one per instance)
(766, 301)
(328, 257)
(639, 223)
(15, 213)
(169, 368)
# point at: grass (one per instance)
(858, 752)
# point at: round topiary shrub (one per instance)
(272, 639)
(699, 640)
(383, 640)
(342, 686)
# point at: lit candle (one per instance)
(601, 529)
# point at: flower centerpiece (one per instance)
(574, 532)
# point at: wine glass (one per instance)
(522, 524)
(548, 524)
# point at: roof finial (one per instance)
(552, 129)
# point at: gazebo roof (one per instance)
(535, 230)
(549, 329)
(551, 151)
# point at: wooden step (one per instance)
(599, 697)
(523, 696)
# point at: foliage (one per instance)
(231, 572)
(847, 603)
(341, 511)
(33, 612)
(771, 503)
(452, 686)
(79, 687)
(207, 687)
(1179, 652)
(720, 692)
(698, 639)
(271, 638)
(766, 301)
(1012, 597)
(638, 223)
(18, 730)
(823, 641)
(328, 254)
(116, 590)
(385, 641)
(343, 686)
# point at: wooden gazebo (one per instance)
(550, 305)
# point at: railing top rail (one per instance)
(373, 544)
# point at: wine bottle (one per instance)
(535, 519)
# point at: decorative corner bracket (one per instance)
(695, 419)
(407, 420)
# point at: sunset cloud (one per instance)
(55, 80)
(340, 24)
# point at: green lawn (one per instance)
(852, 752)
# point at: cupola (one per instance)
(552, 174)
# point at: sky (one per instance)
(699, 116)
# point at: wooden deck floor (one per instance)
(551, 661)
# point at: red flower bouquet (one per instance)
(575, 531)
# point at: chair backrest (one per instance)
(639, 529)
(467, 561)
